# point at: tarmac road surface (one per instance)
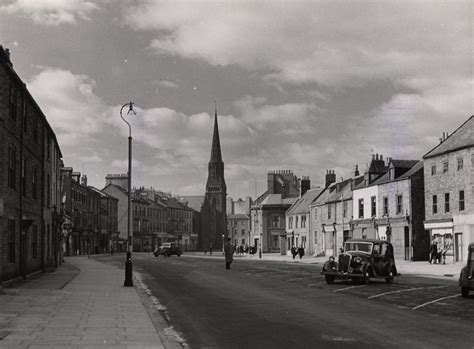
(260, 304)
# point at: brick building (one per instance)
(29, 180)
(449, 191)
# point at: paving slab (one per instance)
(81, 305)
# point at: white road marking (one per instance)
(405, 290)
(301, 278)
(317, 283)
(348, 288)
(436, 300)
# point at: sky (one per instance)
(301, 85)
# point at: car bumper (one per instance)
(341, 275)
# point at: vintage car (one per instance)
(168, 249)
(466, 277)
(362, 260)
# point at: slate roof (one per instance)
(195, 201)
(461, 138)
(403, 169)
(303, 203)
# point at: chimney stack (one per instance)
(330, 178)
(356, 171)
(305, 185)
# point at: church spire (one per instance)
(216, 144)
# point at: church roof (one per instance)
(216, 155)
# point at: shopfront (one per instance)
(442, 234)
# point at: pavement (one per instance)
(82, 304)
(419, 268)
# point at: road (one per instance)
(260, 304)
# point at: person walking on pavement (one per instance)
(229, 252)
(301, 251)
(294, 252)
(433, 252)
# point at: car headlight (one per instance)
(332, 259)
(357, 260)
(470, 277)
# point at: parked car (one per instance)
(362, 260)
(466, 281)
(168, 249)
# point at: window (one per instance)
(290, 223)
(344, 209)
(433, 170)
(361, 208)
(276, 222)
(446, 202)
(315, 237)
(11, 240)
(385, 206)
(461, 200)
(296, 221)
(329, 211)
(373, 206)
(23, 177)
(303, 221)
(243, 231)
(399, 204)
(460, 163)
(34, 183)
(34, 242)
(435, 204)
(445, 167)
(12, 105)
(11, 167)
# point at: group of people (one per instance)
(438, 251)
(297, 251)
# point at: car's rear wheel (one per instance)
(465, 292)
(329, 279)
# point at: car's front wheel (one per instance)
(329, 279)
(465, 292)
(389, 279)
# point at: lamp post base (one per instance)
(128, 271)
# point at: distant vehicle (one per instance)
(168, 249)
(361, 260)
(466, 281)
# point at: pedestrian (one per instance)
(294, 252)
(229, 252)
(433, 252)
(241, 249)
(301, 251)
(210, 248)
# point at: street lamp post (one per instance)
(128, 263)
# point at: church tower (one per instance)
(213, 210)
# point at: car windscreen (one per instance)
(359, 246)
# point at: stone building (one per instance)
(213, 210)
(108, 219)
(331, 215)
(298, 221)
(449, 191)
(81, 207)
(30, 159)
(401, 209)
(238, 221)
(268, 212)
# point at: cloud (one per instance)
(330, 43)
(51, 12)
(168, 84)
(69, 102)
